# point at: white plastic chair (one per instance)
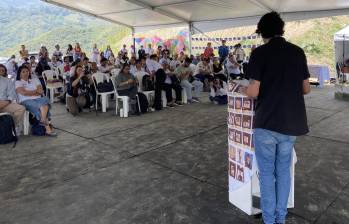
(125, 100)
(26, 124)
(99, 78)
(48, 76)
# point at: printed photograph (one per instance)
(232, 169)
(247, 121)
(248, 160)
(246, 139)
(238, 137)
(252, 142)
(240, 173)
(232, 152)
(247, 104)
(231, 134)
(238, 120)
(238, 103)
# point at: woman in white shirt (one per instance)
(218, 94)
(95, 54)
(233, 67)
(29, 92)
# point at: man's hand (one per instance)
(253, 88)
(4, 103)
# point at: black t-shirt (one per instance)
(281, 68)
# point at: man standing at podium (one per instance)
(279, 78)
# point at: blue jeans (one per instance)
(274, 156)
(34, 106)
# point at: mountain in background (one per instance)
(35, 23)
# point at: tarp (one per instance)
(201, 15)
(341, 35)
(341, 45)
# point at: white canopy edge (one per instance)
(207, 26)
(211, 25)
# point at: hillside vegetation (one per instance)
(35, 23)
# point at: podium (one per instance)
(244, 192)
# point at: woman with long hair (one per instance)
(30, 95)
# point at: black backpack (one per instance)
(36, 128)
(143, 103)
(7, 130)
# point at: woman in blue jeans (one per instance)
(29, 92)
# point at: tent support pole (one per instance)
(190, 38)
(133, 41)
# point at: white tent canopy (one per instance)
(201, 15)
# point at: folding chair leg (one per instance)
(52, 95)
(26, 123)
(125, 107)
(116, 106)
(139, 105)
(104, 103)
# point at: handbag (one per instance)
(106, 86)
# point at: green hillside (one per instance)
(35, 23)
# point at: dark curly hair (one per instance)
(270, 25)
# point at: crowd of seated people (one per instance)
(151, 68)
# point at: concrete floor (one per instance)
(166, 167)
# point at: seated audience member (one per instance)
(70, 53)
(40, 68)
(8, 99)
(233, 67)
(54, 63)
(204, 71)
(58, 53)
(79, 91)
(132, 65)
(43, 54)
(66, 65)
(86, 66)
(33, 63)
(123, 50)
(218, 94)
(11, 67)
(29, 94)
(119, 61)
(104, 66)
(218, 70)
(239, 53)
(126, 85)
(195, 60)
(184, 73)
(139, 74)
(94, 67)
(181, 57)
(174, 63)
(171, 82)
(165, 59)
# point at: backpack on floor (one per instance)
(37, 128)
(143, 103)
(7, 129)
